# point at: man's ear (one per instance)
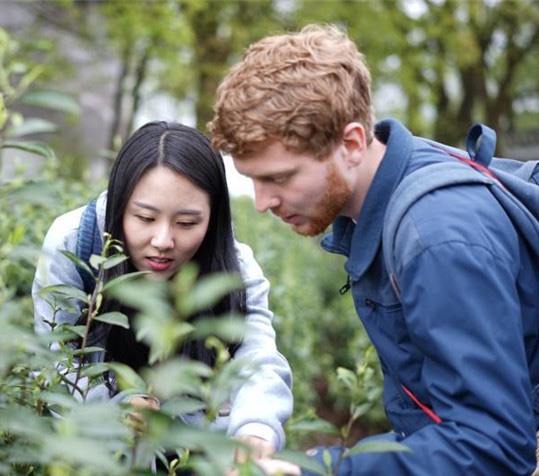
(355, 142)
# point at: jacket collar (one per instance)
(361, 241)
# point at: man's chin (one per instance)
(310, 229)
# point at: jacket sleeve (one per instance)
(55, 268)
(462, 310)
(263, 403)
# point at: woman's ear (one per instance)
(355, 143)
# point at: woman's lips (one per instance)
(159, 264)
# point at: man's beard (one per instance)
(335, 196)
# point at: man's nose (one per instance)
(163, 239)
(265, 197)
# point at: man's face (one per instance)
(303, 191)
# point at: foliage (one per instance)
(24, 203)
(437, 65)
(49, 423)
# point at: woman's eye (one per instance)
(186, 224)
(144, 219)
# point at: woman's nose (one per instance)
(162, 239)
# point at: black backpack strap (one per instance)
(89, 242)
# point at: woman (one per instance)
(168, 202)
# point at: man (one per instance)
(458, 338)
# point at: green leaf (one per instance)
(33, 126)
(87, 350)
(93, 370)
(314, 426)
(326, 456)
(177, 377)
(206, 292)
(113, 318)
(377, 446)
(127, 378)
(96, 261)
(78, 262)
(36, 193)
(65, 290)
(302, 460)
(51, 100)
(143, 294)
(77, 330)
(347, 377)
(53, 398)
(124, 279)
(229, 329)
(34, 147)
(3, 112)
(182, 405)
(114, 261)
(361, 410)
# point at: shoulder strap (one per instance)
(512, 184)
(89, 242)
(412, 188)
(481, 144)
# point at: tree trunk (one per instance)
(140, 75)
(211, 54)
(115, 129)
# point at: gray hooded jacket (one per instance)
(259, 407)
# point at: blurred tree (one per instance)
(439, 65)
(467, 55)
(178, 47)
(143, 34)
(454, 62)
(220, 32)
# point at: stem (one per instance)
(68, 382)
(344, 438)
(92, 310)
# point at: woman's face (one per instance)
(165, 222)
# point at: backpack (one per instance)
(513, 183)
(89, 242)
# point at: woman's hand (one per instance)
(278, 467)
(144, 403)
(259, 448)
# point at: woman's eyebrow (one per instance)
(182, 211)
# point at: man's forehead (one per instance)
(262, 168)
(267, 161)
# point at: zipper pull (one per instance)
(346, 287)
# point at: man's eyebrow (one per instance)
(182, 211)
(271, 175)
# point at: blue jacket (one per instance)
(464, 335)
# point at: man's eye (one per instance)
(281, 179)
(144, 219)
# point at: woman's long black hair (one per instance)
(187, 152)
